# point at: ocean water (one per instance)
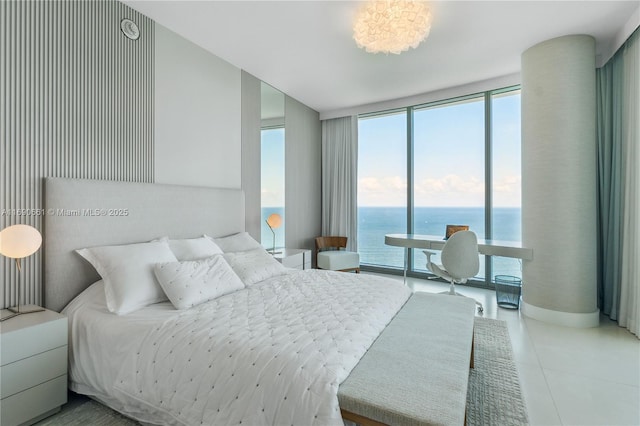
(375, 222)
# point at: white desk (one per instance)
(512, 249)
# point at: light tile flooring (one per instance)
(569, 376)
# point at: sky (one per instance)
(272, 167)
(448, 156)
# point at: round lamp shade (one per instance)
(19, 241)
(274, 220)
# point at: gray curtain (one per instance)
(618, 134)
(339, 179)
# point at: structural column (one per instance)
(559, 181)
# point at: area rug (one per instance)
(82, 411)
(494, 396)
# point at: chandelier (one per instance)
(391, 26)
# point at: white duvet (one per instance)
(274, 353)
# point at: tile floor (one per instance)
(568, 376)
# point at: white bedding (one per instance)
(273, 353)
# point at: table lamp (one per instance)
(274, 221)
(18, 242)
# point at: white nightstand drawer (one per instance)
(32, 371)
(33, 402)
(33, 374)
(31, 334)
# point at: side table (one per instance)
(294, 258)
(33, 367)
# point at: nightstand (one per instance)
(33, 367)
(294, 258)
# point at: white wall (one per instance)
(197, 115)
(559, 181)
(303, 175)
(70, 106)
(159, 109)
(207, 133)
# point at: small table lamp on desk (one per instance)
(18, 242)
(274, 221)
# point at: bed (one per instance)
(273, 349)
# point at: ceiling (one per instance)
(306, 49)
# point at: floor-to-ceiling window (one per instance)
(454, 162)
(506, 186)
(448, 169)
(382, 185)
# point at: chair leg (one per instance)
(452, 291)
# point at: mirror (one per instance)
(272, 166)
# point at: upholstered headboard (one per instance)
(86, 213)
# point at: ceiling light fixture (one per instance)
(391, 26)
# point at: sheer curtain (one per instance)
(629, 315)
(339, 179)
(618, 129)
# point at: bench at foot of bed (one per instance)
(417, 371)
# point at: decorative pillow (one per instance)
(241, 241)
(127, 272)
(193, 282)
(194, 248)
(253, 266)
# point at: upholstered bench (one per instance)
(417, 371)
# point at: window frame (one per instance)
(488, 178)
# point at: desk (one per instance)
(512, 249)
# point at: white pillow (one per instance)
(241, 241)
(190, 283)
(253, 266)
(127, 272)
(194, 248)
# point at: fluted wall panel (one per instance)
(76, 100)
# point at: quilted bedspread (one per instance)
(274, 353)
